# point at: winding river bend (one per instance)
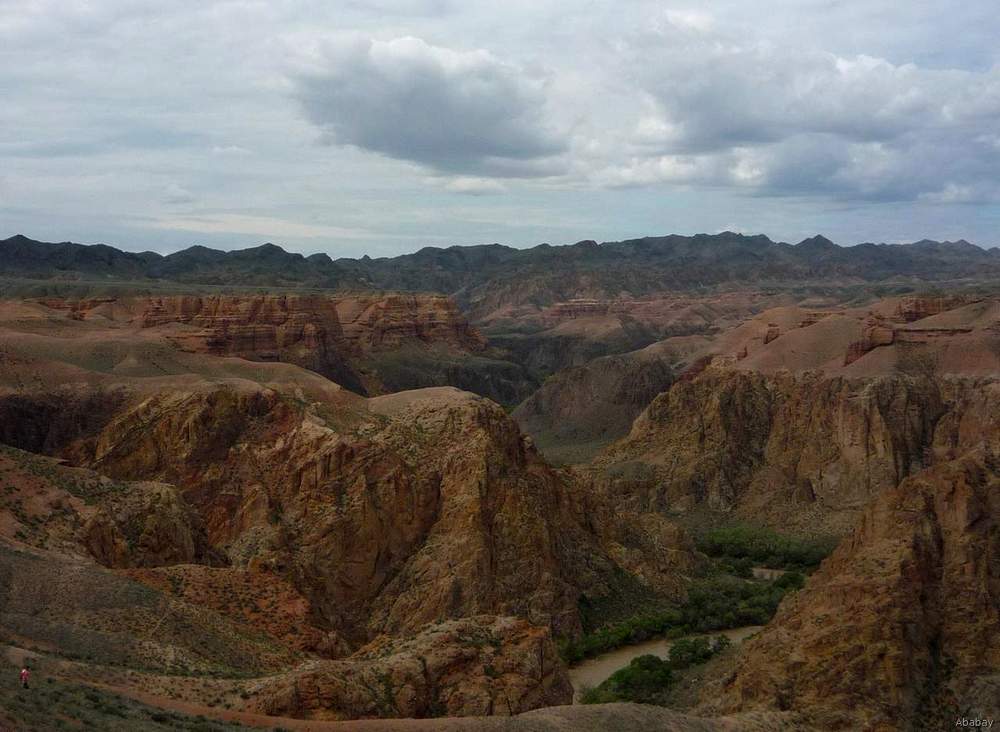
(593, 671)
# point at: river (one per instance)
(593, 671)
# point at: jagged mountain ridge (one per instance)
(483, 277)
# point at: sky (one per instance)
(381, 126)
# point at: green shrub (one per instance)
(764, 547)
(714, 603)
(642, 680)
(688, 652)
(647, 678)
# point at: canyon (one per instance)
(370, 520)
(369, 343)
(313, 507)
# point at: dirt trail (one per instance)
(593, 671)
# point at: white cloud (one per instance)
(230, 150)
(452, 111)
(695, 20)
(794, 120)
(475, 186)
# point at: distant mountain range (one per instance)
(486, 276)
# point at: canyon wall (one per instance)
(432, 507)
(370, 343)
(799, 451)
(900, 627)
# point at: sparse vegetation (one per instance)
(53, 704)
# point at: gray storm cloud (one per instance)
(800, 121)
(456, 112)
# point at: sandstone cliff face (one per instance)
(914, 308)
(801, 451)
(433, 507)
(471, 667)
(353, 324)
(900, 628)
(343, 337)
(579, 410)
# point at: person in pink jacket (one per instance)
(25, 675)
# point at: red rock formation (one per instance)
(330, 335)
(796, 450)
(145, 525)
(919, 307)
(266, 325)
(471, 667)
(437, 509)
(900, 628)
(811, 318)
(876, 333)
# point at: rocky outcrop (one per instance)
(884, 329)
(800, 451)
(914, 308)
(431, 507)
(145, 525)
(900, 628)
(471, 667)
(46, 504)
(876, 333)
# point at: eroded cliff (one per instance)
(371, 343)
(900, 628)
(800, 451)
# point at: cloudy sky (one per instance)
(380, 126)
